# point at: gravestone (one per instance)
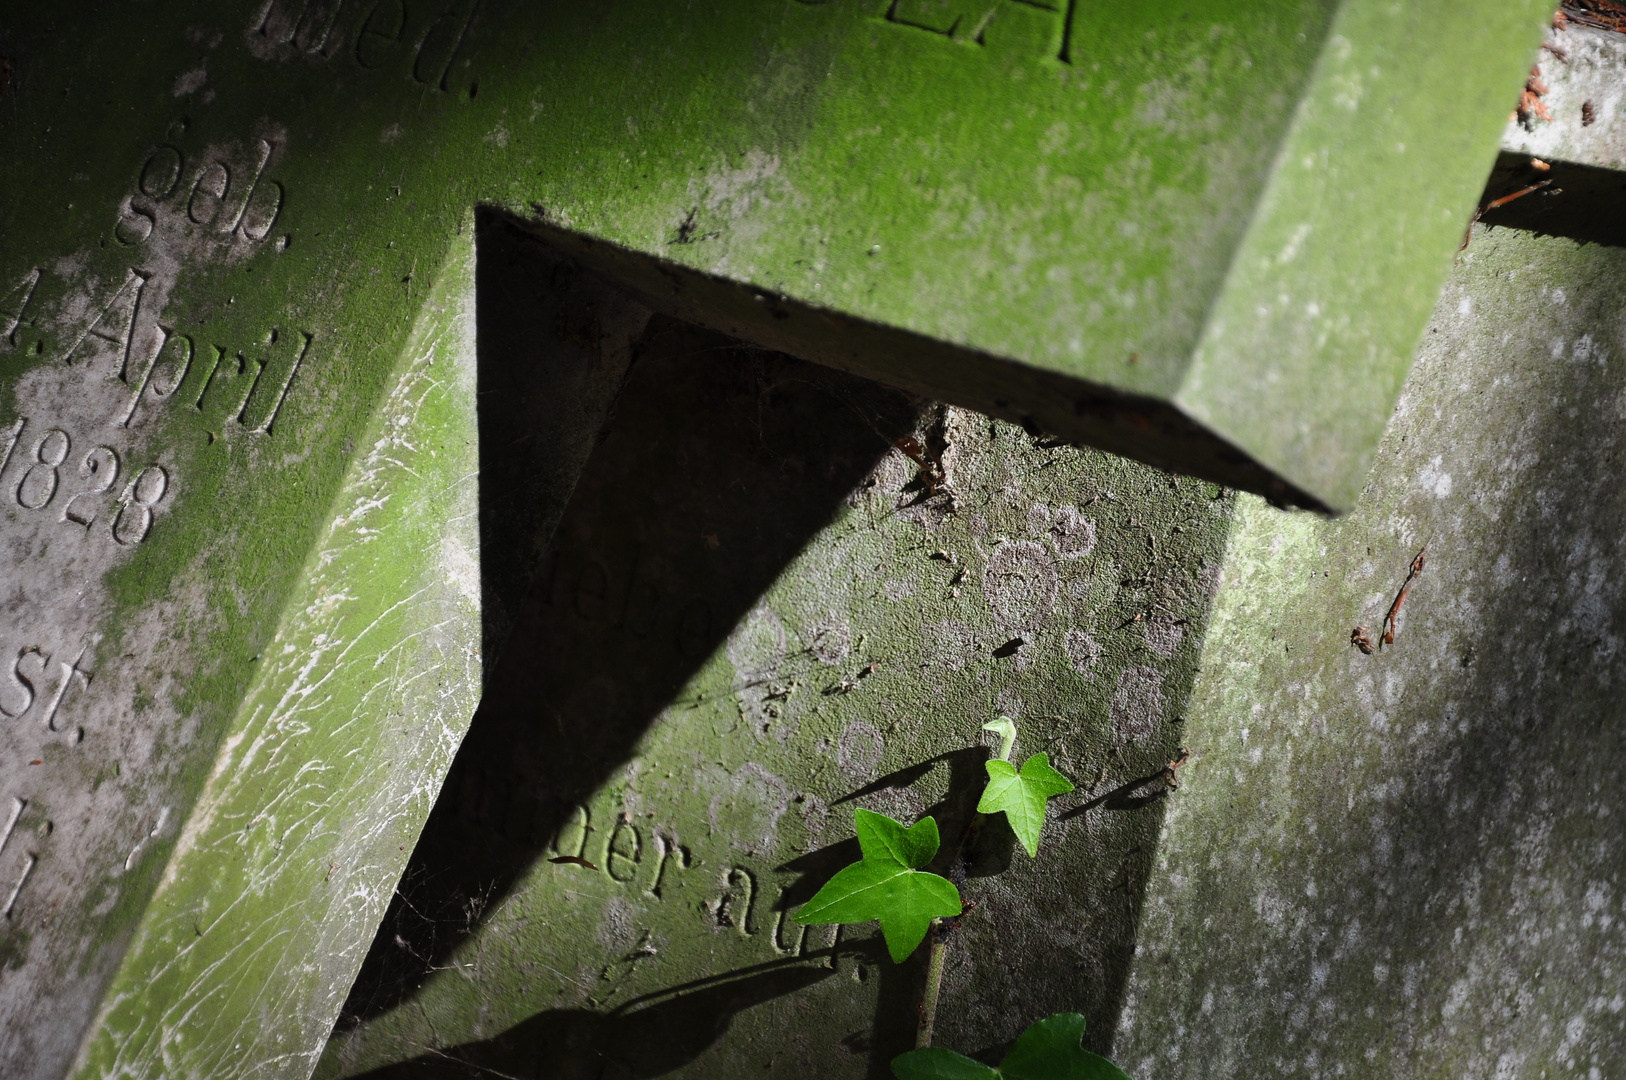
(1409, 863)
(759, 615)
(278, 462)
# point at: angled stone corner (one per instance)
(325, 774)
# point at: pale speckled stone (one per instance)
(1410, 864)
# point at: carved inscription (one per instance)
(14, 814)
(736, 906)
(972, 21)
(624, 851)
(229, 197)
(423, 41)
(246, 388)
(14, 306)
(653, 861)
(88, 500)
(30, 675)
(671, 853)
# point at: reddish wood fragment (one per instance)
(1388, 637)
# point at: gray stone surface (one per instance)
(758, 618)
(1581, 66)
(1411, 863)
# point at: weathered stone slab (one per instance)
(223, 229)
(363, 694)
(758, 618)
(1409, 863)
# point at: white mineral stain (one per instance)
(190, 82)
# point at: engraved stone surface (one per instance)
(236, 266)
(1409, 863)
(758, 616)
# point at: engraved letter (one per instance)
(161, 172)
(69, 673)
(262, 154)
(24, 685)
(134, 520)
(571, 839)
(209, 194)
(380, 34)
(670, 851)
(134, 226)
(101, 468)
(287, 353)
(798, 940)
(317, 25)
(277, 21)
(16, 890)
(38, 485)
(17, 808)
(14, 304)
(439, 45)
(115, 323)
(225, 382)
(734, 907)
(625, 851)
(170, 363)
(261, 210)
(8, 443)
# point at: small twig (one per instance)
(1494, 204)
(1521, 193)
(1171, 777)
(1400, 598)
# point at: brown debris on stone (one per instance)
(1531, 107)
(1170, 774)
(1598, 14)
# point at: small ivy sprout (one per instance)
(1020, 794)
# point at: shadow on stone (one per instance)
(1131, 795)
(649, 1036)
(718, 465)
(1579, 202)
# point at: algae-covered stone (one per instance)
(761, 614)
(236, 246)
(1409, 863)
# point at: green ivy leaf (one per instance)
(887, 884)
(935, 1063)
(1022, 795)
(1049, 1050)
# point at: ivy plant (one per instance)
(1021, 794)
(1049, 1050)
(889, 885)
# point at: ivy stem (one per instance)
(1005, 728)
(934, 981)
